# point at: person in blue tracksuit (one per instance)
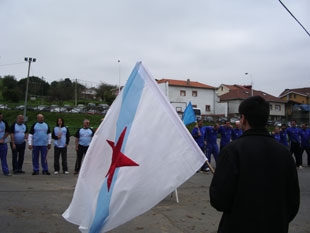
(283, 135)
(61, 136)
(19, 135)
(237, 131)
(305, 141)
(198, 134)
(211, 141)
(226, 132)
(293, 133)
(276, 133)
(4, 133)
(83, 137)
(39, 141)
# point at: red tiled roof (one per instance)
(243, 93)
(301, 91)
(236, 86)
(184, 83)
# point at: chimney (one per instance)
(188, 81)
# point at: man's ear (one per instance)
(244, 122)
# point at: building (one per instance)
(297, 103)
(238, 93)
(180, 92)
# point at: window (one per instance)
(208, 108)
(179, 109)
(182, 93)
(194, 93)
(277, 107)
(270, 106)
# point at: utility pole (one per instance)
(29, 60)
(251, 83)
(75, 92)
(119, 76)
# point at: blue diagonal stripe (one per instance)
(131, 97)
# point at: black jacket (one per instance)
(256, 185)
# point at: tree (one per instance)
(64, 90)
(37, 86)
(10, 90)
(104, 92)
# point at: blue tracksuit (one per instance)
(212, 147)
(225, 133)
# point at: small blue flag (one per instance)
(189, 114)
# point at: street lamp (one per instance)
(251, 83)
(29, 60)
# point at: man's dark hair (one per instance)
(256, 111)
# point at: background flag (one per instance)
(189, 114)
(140, 153)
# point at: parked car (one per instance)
(20, 107)
(222, 119)
(270, 122)
(278, 123)
(76, 110)
(103, 106)
(59, 109)
(234, 119)
(197, 112)
(208, 119)
(92, 111)
(3, 106)
(104, 112)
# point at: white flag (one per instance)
(140, 153)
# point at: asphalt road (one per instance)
(34, 204)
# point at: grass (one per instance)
(72, 120)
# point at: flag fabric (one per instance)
(140, 153)
(189, 114)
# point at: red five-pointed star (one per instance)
(118, 158)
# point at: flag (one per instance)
(140, 153)
(189, 114)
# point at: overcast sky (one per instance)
(209, 41)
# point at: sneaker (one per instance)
(21, 172)
(46, 173)
(300, 167)
(15, 172)
(8, 174)
(56, 172)
(66, 172)
(206, 169)
(35, 173)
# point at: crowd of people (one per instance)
(206, 138)
(296, 139)
(39, 140)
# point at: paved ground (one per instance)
(34, 204)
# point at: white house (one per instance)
(180, 92)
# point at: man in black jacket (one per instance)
(255, 184)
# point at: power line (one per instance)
(294, 18)
(11, 64)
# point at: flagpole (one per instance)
(210, 166)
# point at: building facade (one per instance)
(181, 92)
